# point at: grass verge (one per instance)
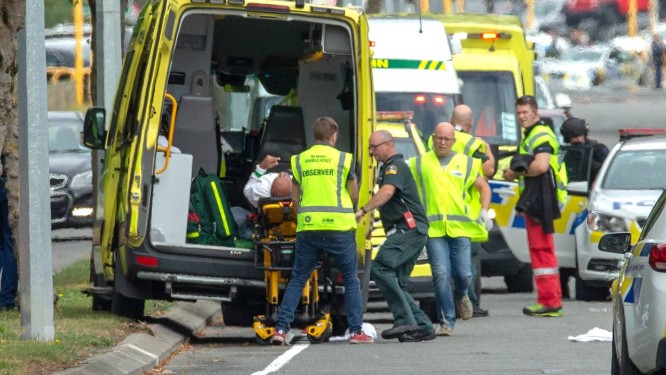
(79, 332)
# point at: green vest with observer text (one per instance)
(325, 204)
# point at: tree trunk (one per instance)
(13, 17)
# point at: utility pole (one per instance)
(631, 18)
(34, 237)
(653, 14)
(108, 63)
(529, 12)
(78, 51)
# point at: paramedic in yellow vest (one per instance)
(444, 179)
(324, 193)
(477, 148)
(540, 141)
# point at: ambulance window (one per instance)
(429, 109)
(121, 84)
(492, 96)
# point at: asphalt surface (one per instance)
(141, 352)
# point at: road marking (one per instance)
(283, 359)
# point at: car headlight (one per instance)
(606, 223)
(82, 180)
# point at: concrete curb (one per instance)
(141, 352)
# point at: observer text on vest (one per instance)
(318, 172)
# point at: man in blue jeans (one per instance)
(323, 194)
(444, 179)
(8, 273)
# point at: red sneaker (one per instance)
(278, 337)
(360, 338)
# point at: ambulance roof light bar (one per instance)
(394, 115)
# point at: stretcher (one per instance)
(274, 243)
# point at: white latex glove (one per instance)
(485, 218)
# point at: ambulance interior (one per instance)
(309, 64)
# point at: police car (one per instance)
(626, 188)
(639, 297)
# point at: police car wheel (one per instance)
(585, 292)
(521, 281)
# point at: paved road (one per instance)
(506, 342)
(69, 245)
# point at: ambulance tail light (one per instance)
(657, 258)
(439, 100)
(420, 99)
(146, 261)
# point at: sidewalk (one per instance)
(141, 352)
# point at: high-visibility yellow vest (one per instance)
(444, 193)
(539, 135)
(468, 144)
(325, 203)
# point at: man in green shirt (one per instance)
(406, 229)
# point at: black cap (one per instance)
(573, 127)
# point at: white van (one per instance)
(412, 69)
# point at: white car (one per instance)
(627, 186)
(639, 297)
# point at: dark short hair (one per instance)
(527, 100)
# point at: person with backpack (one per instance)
(324, 193)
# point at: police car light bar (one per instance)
(628, 133)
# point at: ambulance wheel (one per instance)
(323, 338)
(339, 324)
(521, 282)
(429, 307)
(261, 341)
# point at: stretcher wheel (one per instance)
(262, 341)
(323, 338)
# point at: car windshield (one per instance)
(648, 164)
(429, 108)
(492, 97)
(406, 147)
(64, 136)
(581, 55)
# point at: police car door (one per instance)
(512, 226)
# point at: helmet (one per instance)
(574, 127)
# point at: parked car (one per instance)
(581, 68)
(626, 187)
(639, 297)
(70, 171)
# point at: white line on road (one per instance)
(283, 359)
